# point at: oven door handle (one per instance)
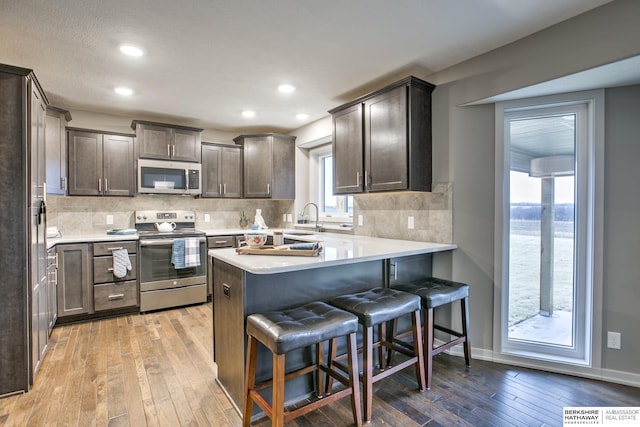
(164, 242)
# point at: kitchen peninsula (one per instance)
(247, 284)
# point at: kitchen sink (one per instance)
(298, 232)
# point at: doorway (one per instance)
(545, 231)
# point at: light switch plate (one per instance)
(289, 218)
(411, 223)
(109, 219)
(360, 220)
(207, 218)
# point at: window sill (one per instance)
(327, 226)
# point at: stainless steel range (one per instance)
(166, 280)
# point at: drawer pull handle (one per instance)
(115, 297)
(110, 270)
(220, 241)
(114, 249)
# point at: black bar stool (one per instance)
(287, 330)
(434, 293)
(376, 307)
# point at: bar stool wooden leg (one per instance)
(428, 344)
(382, 337)
(277, 404)
(249, 379)
(418, 349)
(464, 308)
(367, 380)
(331, 364)
(319, 374)
(352, 352)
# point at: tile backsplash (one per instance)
(384, 214)
(88, 215)
(387, 214)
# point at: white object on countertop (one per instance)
(259, 221)
(53, 232)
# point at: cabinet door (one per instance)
(185, 145)
(386, 146)
(154, 142)
(347, 151)
(85, 163)
(211, 173)
(56, 158)
(231, 172)
(118, 166)
(258, 161)
(74, 280)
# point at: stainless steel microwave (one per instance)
(168, 177)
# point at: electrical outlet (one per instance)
(360, 220)
(109, 219)
(289, 218)
(614, 340)
(207, 218)
(410, 223)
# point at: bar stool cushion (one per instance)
(436, 292)
(286, 330)
(377, 305)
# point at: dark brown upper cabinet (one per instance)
(382, 141)
(100, 164)
(167, 142)
(56, 148)
(221, 170)
(269, 165)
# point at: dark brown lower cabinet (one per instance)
(75, 280)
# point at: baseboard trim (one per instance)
(609, 375)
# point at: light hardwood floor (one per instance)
(156, 369)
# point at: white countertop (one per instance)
(337, 249)
(89, 238)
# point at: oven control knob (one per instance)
(175, 282)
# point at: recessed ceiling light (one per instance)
(248, 113)
(302, 116)
(124, 91)
(131, 50)
(286, 88)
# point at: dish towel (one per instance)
(121, 263)
(191, 252)
(185, 253)
(177, 253)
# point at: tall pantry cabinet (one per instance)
(23, 256)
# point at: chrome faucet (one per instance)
(318, 226)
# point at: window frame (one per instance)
(594, 100)
(316, 182)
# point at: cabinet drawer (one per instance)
(221, 241)
(105, 248)
(103, 269)
(115, 295)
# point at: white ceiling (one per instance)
(208, 60)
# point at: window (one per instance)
(331, 207)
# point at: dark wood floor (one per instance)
(156, 370)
